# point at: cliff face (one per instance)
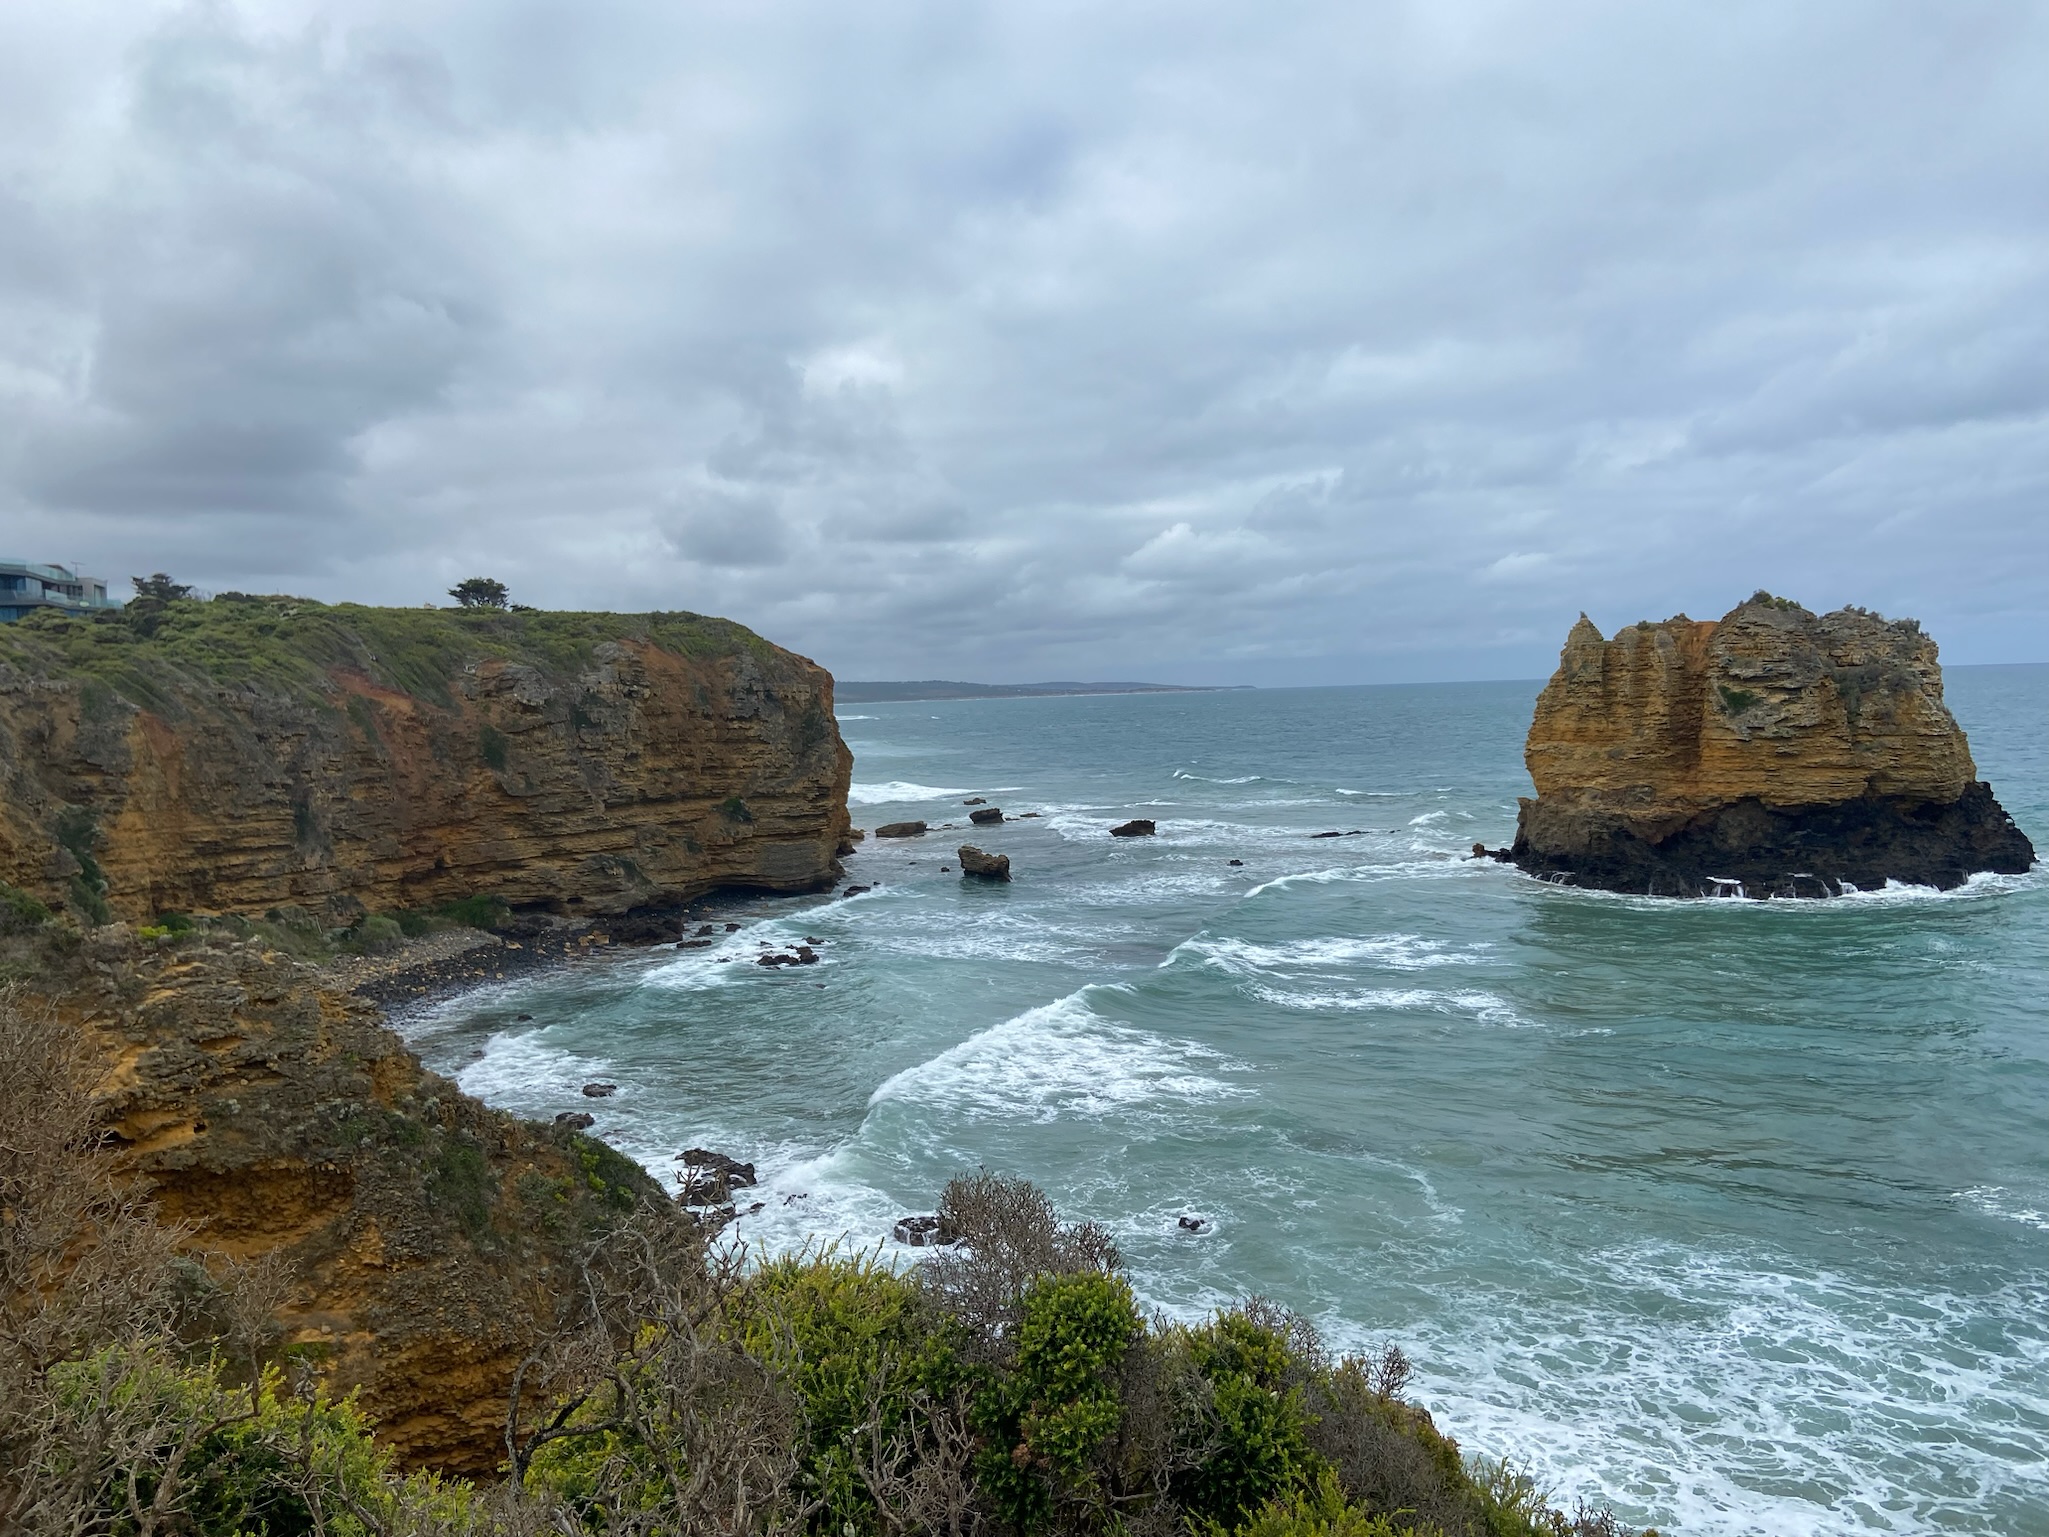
(1775, 750)
(428, 1237)
(252, 753)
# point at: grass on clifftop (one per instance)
(289, 645)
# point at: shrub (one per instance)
(1319, 1511)
(871, 1362)
(1045, 1419)
(1258, 1423)
(377, 935)
(19, 910)
(476, 912)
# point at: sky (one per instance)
(1299, 342)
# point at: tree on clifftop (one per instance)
(160, 587)
(479, 592)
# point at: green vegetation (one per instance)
(491, 748)
(1764, 599)
(1736, 700)
(734, 809)
(147, 651)
(479, 592)
(19, 910)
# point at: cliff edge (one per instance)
(251, 753)
(429, 1240)
(1772, 752)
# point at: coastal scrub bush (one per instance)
(1043, 1420)
(476, 912)
(874, 1367)
(19, 910)
(1257, 1426)
(1318, 1511)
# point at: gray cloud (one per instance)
(1311, 343)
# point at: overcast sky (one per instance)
(1335, 341)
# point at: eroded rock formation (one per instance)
(1773, 751)
(256, 753)
(429, 1238)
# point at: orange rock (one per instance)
(1823, 730)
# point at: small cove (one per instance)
(1728, 1213)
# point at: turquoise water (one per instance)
(1733, 1214)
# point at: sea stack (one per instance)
(1772, 752)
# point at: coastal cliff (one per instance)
(246, 754)
(428, 1240)
(1773, 751)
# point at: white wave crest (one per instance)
(896, 791)
(1998, 1201)
(1389, 952)
(1487, 1008)
(1060, 1061)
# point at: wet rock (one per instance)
(901, 830)
(1194, 1225)
(732, 928)
(1137, 827)
(576, 1120)
(988, 867)
(1239, 862)
(855, 891)
(708, 1177)
(600, 1090)
(1026, 816)
(704, 929)
(974, 800)
(924, 1232)
(986, 815)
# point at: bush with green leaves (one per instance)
(1044, 1419)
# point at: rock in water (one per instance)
(924, 1232)
(1772, 752)
(986, 815)
(901, 830)
(1137, 827)
(990, 867)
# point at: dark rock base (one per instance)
(1754, 850)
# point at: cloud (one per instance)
(1314, 342)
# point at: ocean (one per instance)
(1734, 1215)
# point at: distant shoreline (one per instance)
(939, 688)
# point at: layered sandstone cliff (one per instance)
(1773, 751)
(428, 1239)
(252, 753)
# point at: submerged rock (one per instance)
(1137, 827)
(1771, 753)
(600, 1090)
(989, 867)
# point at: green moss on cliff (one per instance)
(292, 645)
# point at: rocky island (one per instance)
(1772, 752)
